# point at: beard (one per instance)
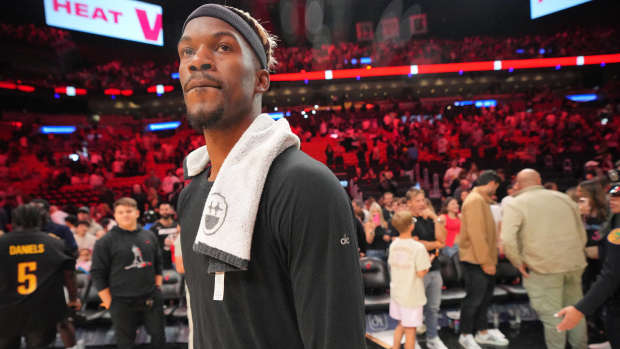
(201, 120)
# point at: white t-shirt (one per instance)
(87, 241)
(407, 257)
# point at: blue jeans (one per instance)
(432, 286)
(450, 251)
(377, 254)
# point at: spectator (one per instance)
(536, 219)
(84, 261)
(431, 234)
(451, 220)
(57, 215)
(71, 222)
(409, 263)
(478, 255)
(84, 215)
(58, 230)
(138, 195)
(169, 181)
(166, 229)
(376, 231)
(82, 238)
(153, 181)
(594, 211)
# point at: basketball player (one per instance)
(34, 268)
(302, 287)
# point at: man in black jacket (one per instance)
(127, 272)
(34, 268)
(606, 290)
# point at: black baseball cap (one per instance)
(84, 209)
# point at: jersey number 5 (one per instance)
(26, 278)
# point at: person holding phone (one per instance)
(377, 235)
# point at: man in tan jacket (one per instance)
(478, 254)
(544, 237)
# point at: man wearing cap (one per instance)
(84, 215)
(295, 282)
(606, 290)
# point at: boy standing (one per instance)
(409, 262)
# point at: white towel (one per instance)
(229, 214)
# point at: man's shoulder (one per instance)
(296, 168)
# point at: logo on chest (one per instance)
(215, 211)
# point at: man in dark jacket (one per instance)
(606, 289)
(127, 272)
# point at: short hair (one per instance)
(125, 201)
(164, 203)
(28, 217)
(268, 40)
(487, 177)
(86, 223)
(71, 219)
(42, 203)
(413, 192)
(402, 220)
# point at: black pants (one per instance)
(128, 315)
(479, 288)
(612, 323)
(35, 339)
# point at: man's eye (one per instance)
(224, 47)
(187, 51)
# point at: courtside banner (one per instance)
(123, 19)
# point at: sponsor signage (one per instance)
(123, 19)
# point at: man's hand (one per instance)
(106, 298)
(523, 270)
(75, 305)
(387, 238)
(106, 304)
(428, 213)
(572, 317)
(489, 269)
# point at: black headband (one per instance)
(230, 17)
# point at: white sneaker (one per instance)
(417, 346)
(435, 343)
(467, 341)
(496, 332)
(491, 338)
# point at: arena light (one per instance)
(26, 88)
(57, 129)
(112, 91)
(162, 126)
(160, 89)
(587, 97)
(174, 75)
(8, 85)
(482, 103)
(70, 91)
(496, 65)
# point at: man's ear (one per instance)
(262, 81)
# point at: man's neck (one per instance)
(405, 236)
(128, 227)
(220, 143)
(166, 221)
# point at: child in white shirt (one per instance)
(409, 262)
